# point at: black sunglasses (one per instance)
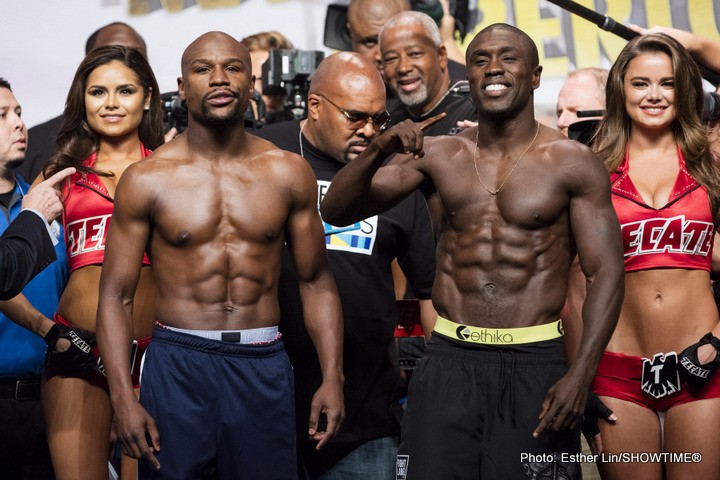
(358, 120)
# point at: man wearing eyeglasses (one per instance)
(346, 110)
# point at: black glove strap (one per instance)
(51, 337)
(695, 374)
(712, 340)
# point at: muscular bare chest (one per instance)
(532, 198)
(226, 208)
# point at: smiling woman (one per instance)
(665, 190)
(114, 100)
(112, 120)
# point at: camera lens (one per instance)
(711, 107)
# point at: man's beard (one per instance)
(214, 119)
(14, 163)
(418, 98)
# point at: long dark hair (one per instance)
(76, 141)
(614, 131)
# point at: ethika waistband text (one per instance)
(499, 336)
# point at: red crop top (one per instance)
(678, 235)
(86, 218)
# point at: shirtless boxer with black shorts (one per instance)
(493, 397)
(214, 208)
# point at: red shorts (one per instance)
(98, 378)
(618, 376)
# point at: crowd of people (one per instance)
(221, 302)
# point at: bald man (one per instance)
(216, 206)
(116, 33)
(346, 109)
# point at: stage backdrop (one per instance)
(43, 40)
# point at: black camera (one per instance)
(175, 114)
(711, 107)
(288, 73)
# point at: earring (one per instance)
(147, 107)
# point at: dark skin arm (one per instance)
(596, 230)
(357, 193)
(321, 307)
(136, 430)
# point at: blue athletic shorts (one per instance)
(224, 410)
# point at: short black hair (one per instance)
(5, 84)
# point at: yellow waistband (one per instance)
(499, 336)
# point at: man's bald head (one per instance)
(207, 44)
(346, 91)
(375, 9)
(116, 33)
(216, 81)
(527, 43)
(345, 71)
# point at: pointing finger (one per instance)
(59, 177)
(431, 121)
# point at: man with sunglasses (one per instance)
(346, 110)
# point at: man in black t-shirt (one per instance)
(346, 109)
(416, 68)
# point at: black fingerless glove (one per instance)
(694, 374)
(78, 355)
(594, 409)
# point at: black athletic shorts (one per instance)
(472, 409)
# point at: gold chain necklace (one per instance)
(496, 191)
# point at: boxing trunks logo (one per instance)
(401, 467)
(660, 376)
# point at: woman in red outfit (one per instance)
(666, 192)
(113, 118)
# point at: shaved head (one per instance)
(116, 33)
(345, 85)
(375, 9)
(343, 71)
(216, 81)
(527, 43)
(205, 44)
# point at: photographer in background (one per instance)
(259, 46)
(583, 91)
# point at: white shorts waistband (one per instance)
(251, 335)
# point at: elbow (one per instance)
(334, 216)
